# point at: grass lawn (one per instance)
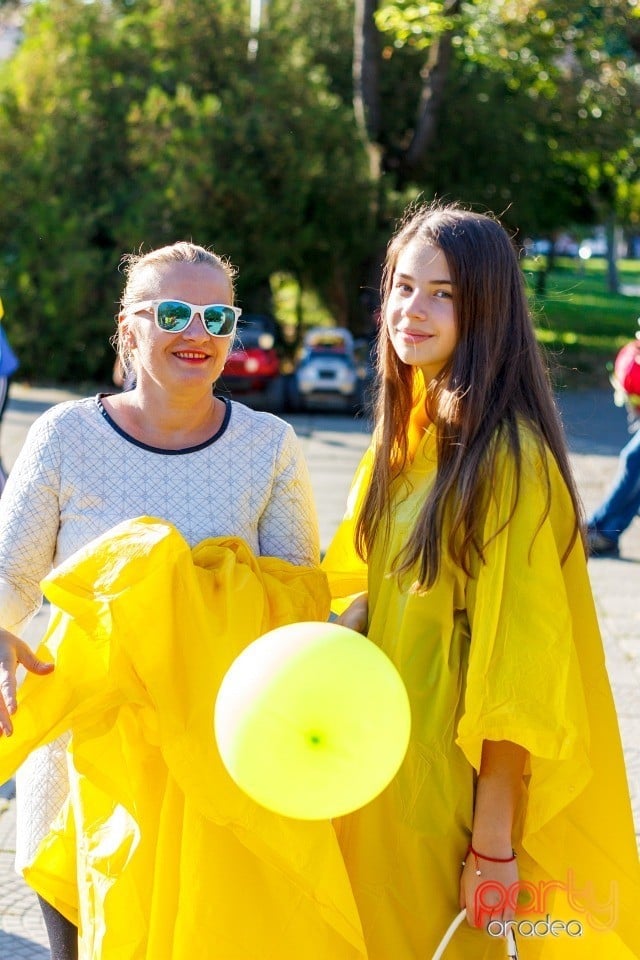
(580, 323)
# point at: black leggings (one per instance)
(63, 935)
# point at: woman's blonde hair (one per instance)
(136, 268)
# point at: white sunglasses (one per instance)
(174, 316)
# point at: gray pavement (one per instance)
(333, 445)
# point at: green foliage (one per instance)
(415, 24)
(63, 175)
(498, 150)
(142, 123)
(563, 72)
(139, 122)
(579, 321)
(319, 34)
(292, 304)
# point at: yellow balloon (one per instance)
(312, 720)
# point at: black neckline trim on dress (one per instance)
(145, 446)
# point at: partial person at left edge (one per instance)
(9, 363)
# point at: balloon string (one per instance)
(450, 932)
(512, 950)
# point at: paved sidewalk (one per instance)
(333, 445)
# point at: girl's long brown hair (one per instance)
(495, 382)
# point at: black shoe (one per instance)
(600, 546)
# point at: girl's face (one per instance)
(420, 314)
(191, 358)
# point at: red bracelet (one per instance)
(481, 856)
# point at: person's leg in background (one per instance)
(620, 505)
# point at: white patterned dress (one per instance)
(79, 474)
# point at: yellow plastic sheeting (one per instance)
(513, 653)
(173, 860)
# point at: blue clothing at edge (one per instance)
(622, 502)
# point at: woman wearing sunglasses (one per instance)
(170, 448)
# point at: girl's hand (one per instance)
(13, 651)
(492, 896)
(356, 616)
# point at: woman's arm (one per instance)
(356, 616)
(485, 895)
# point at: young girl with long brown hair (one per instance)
(463, 545)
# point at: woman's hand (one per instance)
(491, 896)
(356, 616)
(13, 651)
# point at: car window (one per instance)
(326, 355)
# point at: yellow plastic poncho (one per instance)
(174, 862)
(513, 653)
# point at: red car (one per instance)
(253, 371)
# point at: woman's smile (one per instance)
(191, 356)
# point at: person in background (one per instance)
(622, 502)
(461, 555)
(8, 365)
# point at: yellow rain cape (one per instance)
(512, 653)
(159, 854)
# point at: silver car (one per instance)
(327, 373)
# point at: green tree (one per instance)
(139, 123)
(568, 65)
(62, 103)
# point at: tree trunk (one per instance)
(366, 80)
(434, 80)
(368, 115)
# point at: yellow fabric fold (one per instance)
(173, 860)
(512, 653)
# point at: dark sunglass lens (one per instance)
(173, 315)
(219, 320)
